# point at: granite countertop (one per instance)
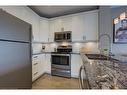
(103, 73)
(41, 53)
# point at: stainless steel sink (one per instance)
(100, 57)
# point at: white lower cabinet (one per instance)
(76, 62)
(35, 66)
(40, 64)
(47, 65)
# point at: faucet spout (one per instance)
(108, 36)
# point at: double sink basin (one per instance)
(100, 57)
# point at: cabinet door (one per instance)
(57, 25)
(76, 62)
(66, 23)
(44, 30)
(47, 64)
(78, 27)
(35, 67)
(51, 31)
(91, 26)
(41, 67)
(35, 27)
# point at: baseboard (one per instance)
(72, 76)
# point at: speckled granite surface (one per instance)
(103, 74)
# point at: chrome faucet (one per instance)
(102, 35)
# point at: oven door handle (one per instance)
(61, 54)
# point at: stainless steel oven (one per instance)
(61, 60)
(61, 64)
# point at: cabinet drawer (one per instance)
(35, 64)
(35, 73)
(35, 57)
(35, 60)
(35, 68)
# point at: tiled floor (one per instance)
(55, 82)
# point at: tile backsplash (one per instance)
(36, 48)
(90, 47)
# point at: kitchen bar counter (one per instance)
(105, 73)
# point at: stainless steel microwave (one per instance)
(62, 36)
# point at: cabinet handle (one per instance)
(62, 29)
(84, 37)
(35, 56)
(35, 73)
(50, 60)
(32, 36)
(35, 63)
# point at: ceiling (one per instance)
(55, 11)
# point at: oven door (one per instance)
(61, 61)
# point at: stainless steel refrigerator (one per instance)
(15, 53)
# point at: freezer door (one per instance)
(15, 65)
(12, 28)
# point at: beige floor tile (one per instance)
(55, 82)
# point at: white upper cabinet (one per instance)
(85, 26)
(54, 26)
(78, 27)
(66, 23)
(44, 30)
(62, 24)
(51, 31)
(35, 29)
(91, 26)
(57, 25)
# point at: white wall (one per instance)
(118, 48)
(106, 16)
